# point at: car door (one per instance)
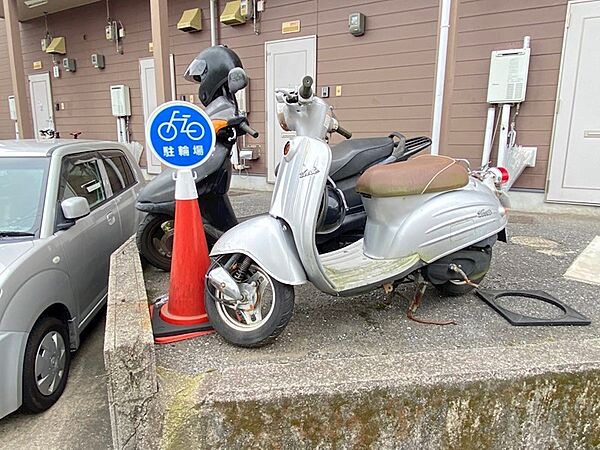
(89, 242)
(122, 181)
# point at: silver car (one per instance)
(65, 206)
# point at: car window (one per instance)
(120, 174)
(81, 178)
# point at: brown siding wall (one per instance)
(7, 127)
(395, 57)
(486, 25)
(86, 92)
(387, 75)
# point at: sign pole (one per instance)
(181, 135)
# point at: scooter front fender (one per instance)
(269, 242)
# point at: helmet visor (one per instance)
(195, 71)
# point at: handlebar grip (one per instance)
(248, 130)
(347, 134)
(306, 90)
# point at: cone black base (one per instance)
(160, 328)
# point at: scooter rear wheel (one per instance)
(154, 240)
(257, 326)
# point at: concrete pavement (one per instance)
(352, 372)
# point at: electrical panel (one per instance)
(120, 100)
(12, 107)
(508, 76)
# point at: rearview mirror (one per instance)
(75, 208)
(237, 80)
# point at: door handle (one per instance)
(110, 218)
(591, 134)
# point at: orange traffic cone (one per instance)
(183, 315)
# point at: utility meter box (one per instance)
(120, 100)
(69, 64)
(508, 76)
(12, 107)
(97, 60)
(246, 10)
(356, 24)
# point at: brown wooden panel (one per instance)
(487, 25)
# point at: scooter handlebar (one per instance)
(248, 130)
(347, 134)
(305, 90)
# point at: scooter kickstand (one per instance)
(416, 302)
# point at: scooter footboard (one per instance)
(269, 242)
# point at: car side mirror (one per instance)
(75, 208)
(237, 80)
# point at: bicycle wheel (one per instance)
(195, 131)
(167, 131)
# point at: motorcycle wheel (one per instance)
(261, 325)
(155, 240)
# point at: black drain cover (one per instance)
(569, 317)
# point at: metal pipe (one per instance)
(440, 78)
(214, 7)
(503, 139)
(489, 137)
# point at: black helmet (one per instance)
(210, 68)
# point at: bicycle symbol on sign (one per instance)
(169, 131)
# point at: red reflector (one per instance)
(286, 149)
(503, 175)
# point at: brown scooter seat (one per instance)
(420, 175)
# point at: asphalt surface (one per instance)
(80, 418)
(540, 249)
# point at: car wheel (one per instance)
(46, 364)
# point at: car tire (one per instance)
(46, 354)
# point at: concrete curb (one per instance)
(478, 398)
(129, 355)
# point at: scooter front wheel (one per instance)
(261, 316)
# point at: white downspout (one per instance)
(440, 77)
(213, 22)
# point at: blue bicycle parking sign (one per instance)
(180, 134)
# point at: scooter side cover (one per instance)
(433, 225)
(268, 241)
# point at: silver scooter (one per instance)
(430, 219)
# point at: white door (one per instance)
(573, 175)
(148, 86)
(288, 61)
(41, 103)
